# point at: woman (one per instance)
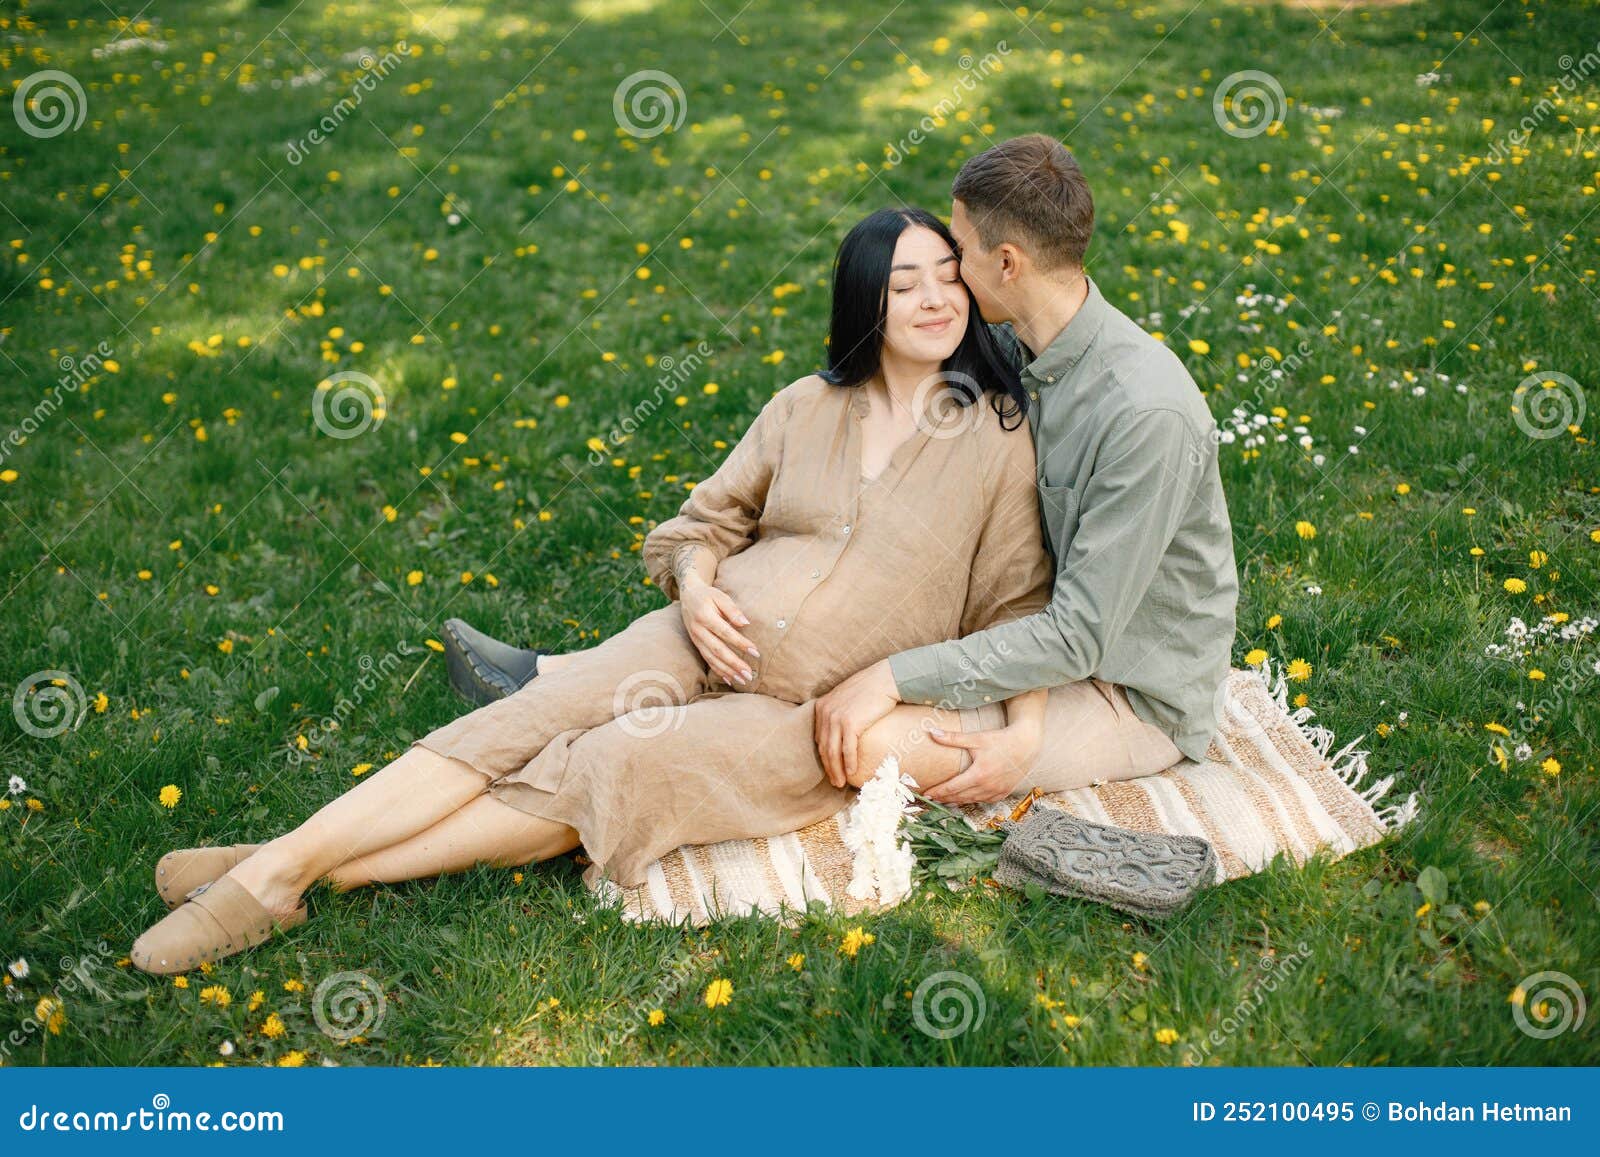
(882, 505)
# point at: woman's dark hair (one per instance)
(860, 305)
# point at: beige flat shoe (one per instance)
(181, 872)
(222, 919)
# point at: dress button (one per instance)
(847, 528)
(816, 574)
(782, 623)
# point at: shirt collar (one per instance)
(1064, 353)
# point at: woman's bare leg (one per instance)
(485, 831)
(903, 733)
(408, 796)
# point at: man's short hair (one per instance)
(1029, 191)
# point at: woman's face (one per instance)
(926, 310)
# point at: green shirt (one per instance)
(1134, 514)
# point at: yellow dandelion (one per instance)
(1515, 585)
(1299, 670)
(657, 1017)
(170, 795)
(1166, 1036)
(1305, 529)
(273, 1027)
(718, 993)
(1254, 657)
(854, 940)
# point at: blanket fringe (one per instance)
(1349, 763)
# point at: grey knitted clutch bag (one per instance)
(1151, 875)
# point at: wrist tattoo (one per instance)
(683, 562)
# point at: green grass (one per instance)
(135, 551)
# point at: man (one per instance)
(1146, 586)
(1136, 640)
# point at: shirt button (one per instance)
(1051, 378)
(987, 698)
(1034, 394)
(847, 528)
(782, 623)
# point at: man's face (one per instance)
(980, 269)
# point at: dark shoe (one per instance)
(483, 669)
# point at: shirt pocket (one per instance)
(1058, 508)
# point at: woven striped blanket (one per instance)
(1271, 784)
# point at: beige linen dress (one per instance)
(640, 748)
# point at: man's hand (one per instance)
(845, 713)
(1001, 758)
(713, 620)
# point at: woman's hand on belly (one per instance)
(713, 620)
